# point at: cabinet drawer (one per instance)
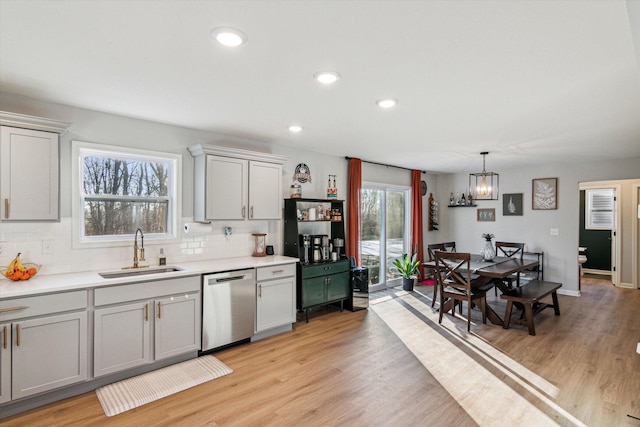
(146, 290)
(324, 269)
(42, 304)
(275, 271)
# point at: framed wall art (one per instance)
(544, 193)
(486, 214)
(512, 204)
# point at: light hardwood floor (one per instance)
(391, 365)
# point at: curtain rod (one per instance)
(383, 164)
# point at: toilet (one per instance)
(582, 258)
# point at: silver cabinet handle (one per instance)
(244, 211)
(146, 312)
(251, 211)
(18, 335)
(277, 271)
(4, 337)
(158, 309)
(6, 208)
(260, 290)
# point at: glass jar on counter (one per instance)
(296, 191)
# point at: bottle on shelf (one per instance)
(451, 200)
(463, 200)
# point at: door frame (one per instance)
(615, 241)
(369, 185)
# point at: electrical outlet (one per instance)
(47, 247)
(554, 232)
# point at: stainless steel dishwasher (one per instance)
(228, 307)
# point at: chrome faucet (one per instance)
(135, 248)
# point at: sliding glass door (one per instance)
(385, 233)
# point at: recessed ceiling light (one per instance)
(295, 128)
(326, 77)
(228, 36)
(386, 103)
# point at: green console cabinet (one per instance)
(321, 284)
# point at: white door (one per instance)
(29, 174)
(5, 362)
(275, 303)
(121, 337)
(177, 325)
(265, 191)
(226, 188)
(48, 353)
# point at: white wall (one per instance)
(91, 126)
(455, 224)
(533, 227)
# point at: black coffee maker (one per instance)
(304, 248)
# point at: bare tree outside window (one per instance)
(123, 194)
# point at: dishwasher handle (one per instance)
(230, 279)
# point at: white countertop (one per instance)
(91, 279)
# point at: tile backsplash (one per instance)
(50, 244)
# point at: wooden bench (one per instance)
(529, 296)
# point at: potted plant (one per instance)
(407, 267)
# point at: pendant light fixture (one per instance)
(484, 185)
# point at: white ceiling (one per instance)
(528, 81)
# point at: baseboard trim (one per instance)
(598, 272)
(625, 286)
(569, 292)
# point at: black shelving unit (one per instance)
(318, 283)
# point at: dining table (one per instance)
(493, 271)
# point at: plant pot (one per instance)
(407, 284)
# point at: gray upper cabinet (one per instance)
(234, 184)
(29, 168)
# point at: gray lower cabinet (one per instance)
(275, 296)
(44, 351)
(139, 323)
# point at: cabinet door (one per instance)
(29, 174)
(48, 353)
(265, 190)
(313, 291)
(275, 303)
(121, 337)
(177, 325)
(226, 188)
(5, 362)
(337, 286)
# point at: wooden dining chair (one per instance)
(432, 257)
(510, 250)
(455, 283)
(450, 246)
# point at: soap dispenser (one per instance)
(162, 259)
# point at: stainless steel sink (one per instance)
(134, 272)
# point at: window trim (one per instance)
(79, 149)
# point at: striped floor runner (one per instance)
(136, 391)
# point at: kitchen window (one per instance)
(122, 189)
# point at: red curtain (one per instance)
(354, 209)
(416, 215)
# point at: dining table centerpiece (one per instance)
(488, 252)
